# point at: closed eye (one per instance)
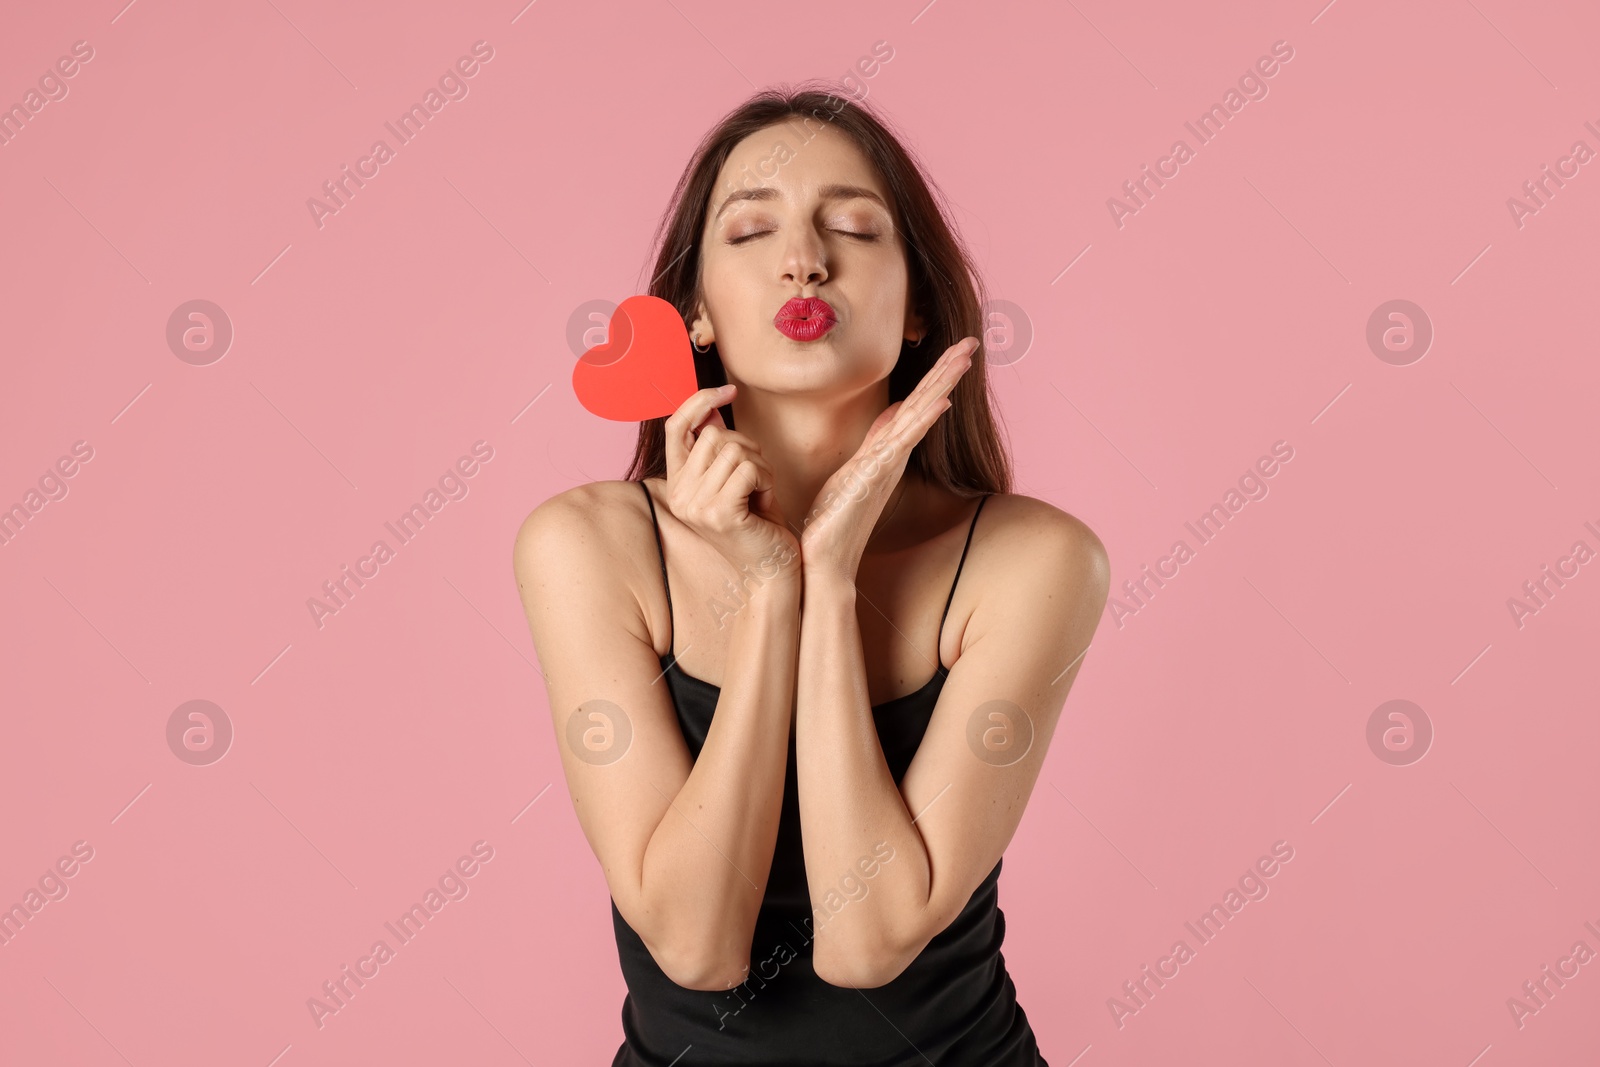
(763, 233)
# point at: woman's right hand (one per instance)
(721, 486)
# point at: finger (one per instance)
(944, 373)
(949, 367)
(681, 426)
(924, 401)
(709, 494)
(719, 433)
(762, 463)
(700, 455)
(920, 411)
(746, 479)
(885, 417)
(764, 502)
(708, 443)
(713, 418)
(921, 421)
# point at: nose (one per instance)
(803, 261)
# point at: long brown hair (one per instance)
(962, 451)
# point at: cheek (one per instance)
(884, 309)
(728, 291)
(889, 283)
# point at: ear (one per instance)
(915, 327)
(700, 326)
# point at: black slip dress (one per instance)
(954, 1006)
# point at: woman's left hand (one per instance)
(842, 518)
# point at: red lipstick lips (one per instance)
(805, 318)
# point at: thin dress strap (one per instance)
(661, 553)
(949, 599)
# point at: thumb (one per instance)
(713, 416)
(764, 502)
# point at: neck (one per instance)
(808, 439)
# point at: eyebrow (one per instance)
(827, 192)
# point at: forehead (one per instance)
(797, 160)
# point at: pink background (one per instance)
(369, 354)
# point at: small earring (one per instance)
(693, 341)
(915, 343)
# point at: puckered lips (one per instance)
(805, 318)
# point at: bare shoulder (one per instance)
(595, 514)
(585, 541)
(1036, 566)
(1024, 531)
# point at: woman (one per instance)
(796, 741)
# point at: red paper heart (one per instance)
(645, 368)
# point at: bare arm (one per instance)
(957, 807)
(686, 847)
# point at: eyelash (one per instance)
(759, 233)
